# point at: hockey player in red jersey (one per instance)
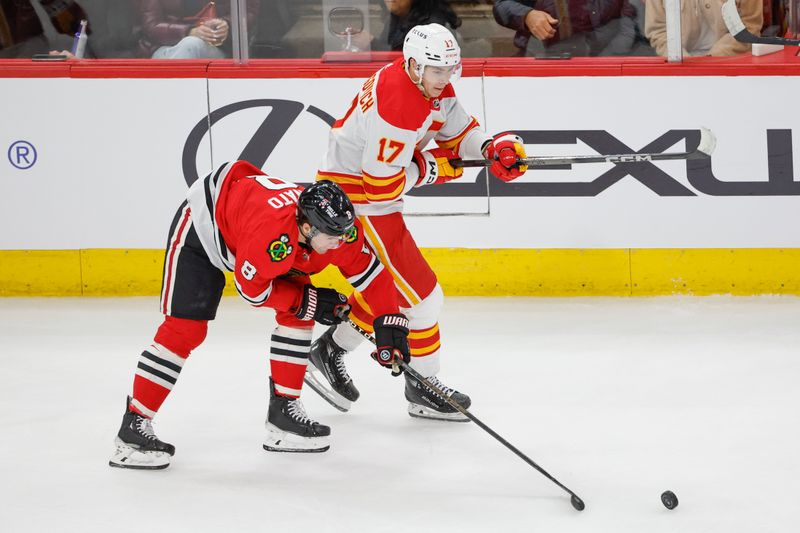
(377, 154)
(272, 235)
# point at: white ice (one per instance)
(619, 399)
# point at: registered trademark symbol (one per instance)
(22, 155)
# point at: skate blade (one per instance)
(420, 411)
(127, 457)
(322, 387)
(282, 441)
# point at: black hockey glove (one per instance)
(326, 306)
(391, 342)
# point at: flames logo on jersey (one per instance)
(351, 235)
(280, 249)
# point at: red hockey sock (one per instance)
(160, 364)
(288, 357)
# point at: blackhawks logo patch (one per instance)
(351, 235)
(280, 249)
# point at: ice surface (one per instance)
(619, 399)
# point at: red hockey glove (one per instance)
(391, 341)
(505, 151)
(326, 306)
(434, 166)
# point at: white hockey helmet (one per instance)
(432, 45)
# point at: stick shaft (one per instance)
(705, 147)
(549, 161)
(455, 405)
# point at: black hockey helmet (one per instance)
(326, 207)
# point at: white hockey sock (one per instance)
(428, 365)
(346, 337)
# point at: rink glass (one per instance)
(336, 30)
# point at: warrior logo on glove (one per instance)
(385, 356)
(326, 306)
(391, 342)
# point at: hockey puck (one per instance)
(669, 499)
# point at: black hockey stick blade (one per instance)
(704, 149)
(739, 31)
(575, 500)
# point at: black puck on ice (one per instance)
(669, 499)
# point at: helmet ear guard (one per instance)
(326, 208)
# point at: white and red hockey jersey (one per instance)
(246, 222)
(371, 149)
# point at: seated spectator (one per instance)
(112, 30)
(405, 14)
(188, 29)
(114, 33)
(642, 45)
(576, 27)
(276, 18)
(402, 16)
(21, 30)
(703, 32)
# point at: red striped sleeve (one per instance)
(454, 143)
(338, 123)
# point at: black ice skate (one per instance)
(137, 444)
(327, 374)
(424, 403)
(289, 429)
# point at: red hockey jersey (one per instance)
(246, 222)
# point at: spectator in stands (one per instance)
(405, 14)
(21, 30)
(188, 29)
(276, 18)
(400, 16)
(576, 27)
(113, 29)
(114, 24)
(641, 45)
(703, 32)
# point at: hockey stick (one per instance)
(576, 502)
(704, 149)
(739, 31)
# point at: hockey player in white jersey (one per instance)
(377, 153)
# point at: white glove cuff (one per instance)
(513, 137)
